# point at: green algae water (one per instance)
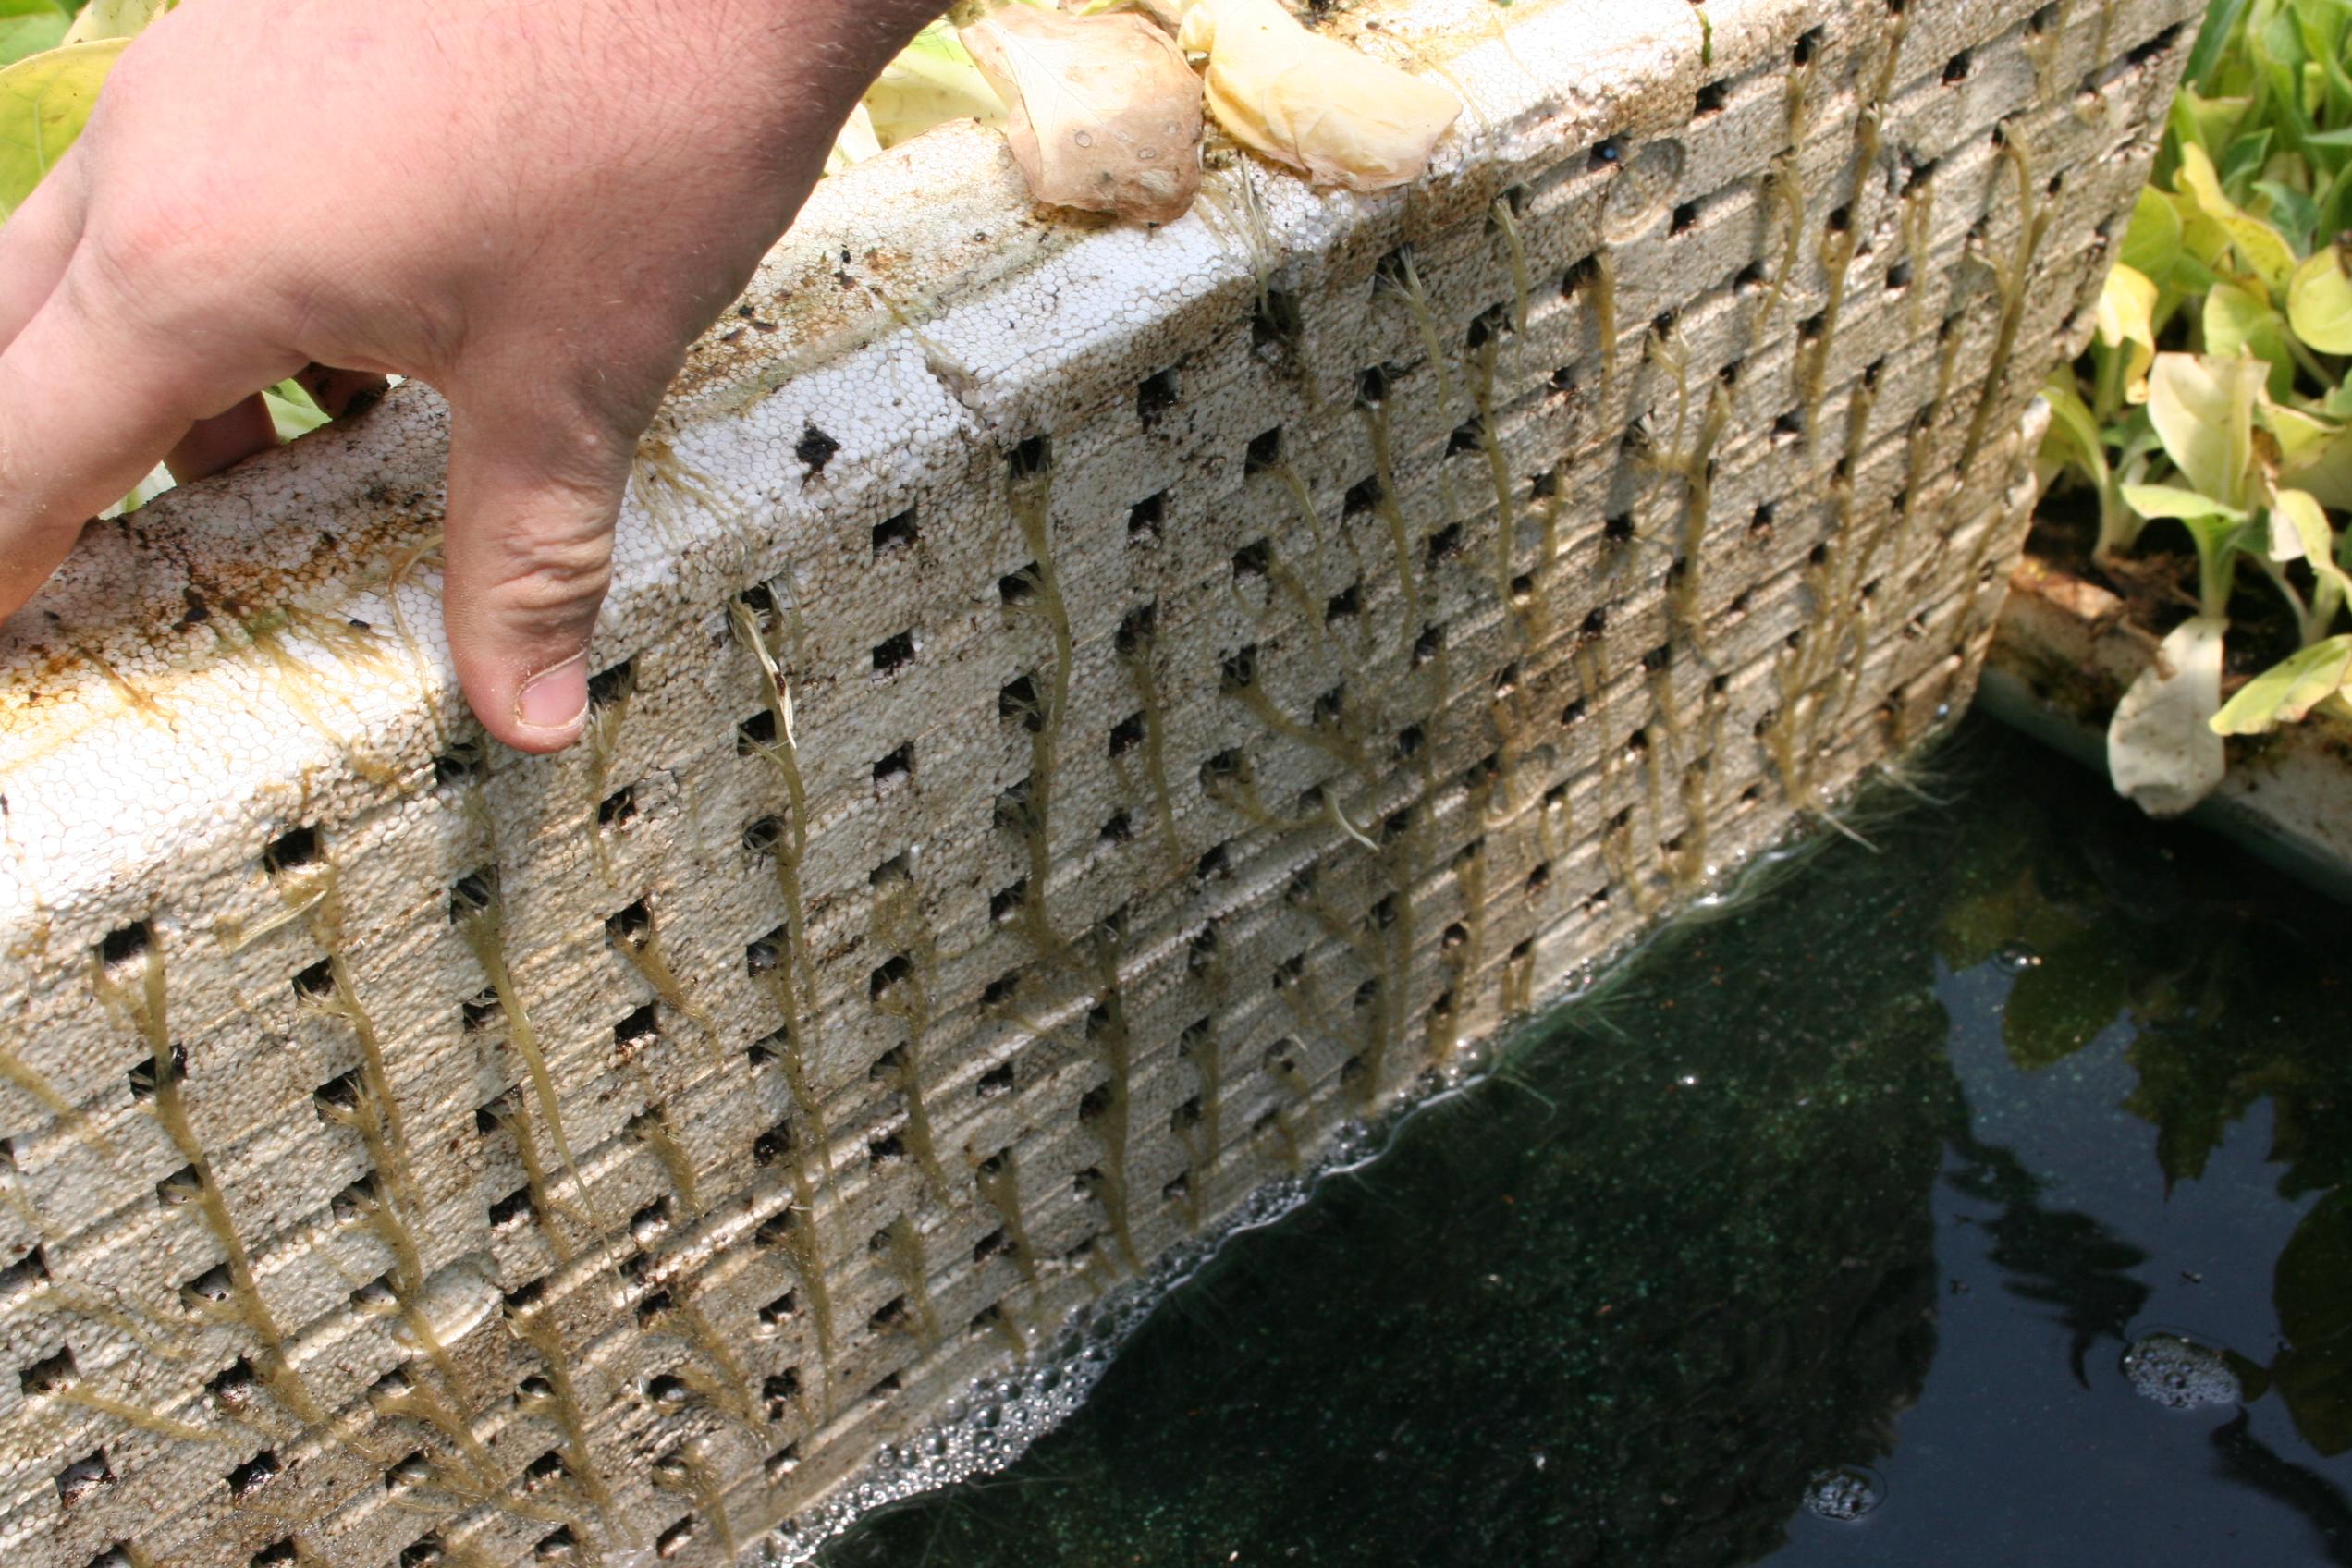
(1975, 1197)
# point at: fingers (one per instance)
(211, 445)
(533, 495)
(87, 406)
(36, 243)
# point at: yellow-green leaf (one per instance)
(2074, 434)
(2154, 237)
(2267, 255)
(115, 18)
(2319, 300)
(2238, 321)
(2198, 180)
(2298, 529)
(2288, 690)
(2265, 252)
(2171, 500)
(293, 410)
(2300, 435)
(2203, 243)
(2322, 467)
(2207, 122)
(27, 27)
(2203, 410)
(44, 102)
(931, 82)
(2126, 315)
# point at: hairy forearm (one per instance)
(806, 61)
(772, 80)
(840, 45)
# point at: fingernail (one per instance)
(554, 700)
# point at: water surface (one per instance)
(1831, 1232)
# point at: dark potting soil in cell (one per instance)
(1976, 1198)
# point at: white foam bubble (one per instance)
(2179, 1373)
(1845, 1493)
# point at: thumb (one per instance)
(533, 490)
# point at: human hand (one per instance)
(536, 208)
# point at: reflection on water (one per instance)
(1927, 1209)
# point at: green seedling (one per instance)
(2212, 399)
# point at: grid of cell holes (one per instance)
(1156, 395)
(1020, 697)
(337, 1100)
(615, 811)
(263, 1465)
(631, 931)
(297, 847)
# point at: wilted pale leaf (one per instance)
(2126, 315)
(931, 82)
(44, 101)
(115, 18)
(2319, 300)
(1105, 112)
(2162, 751)
(2288, 690)
(2203, 410)
(1311, 101)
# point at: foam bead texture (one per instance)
(1221, 675)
